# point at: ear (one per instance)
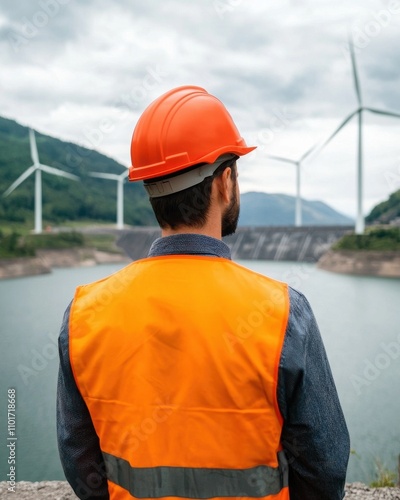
(224, 185)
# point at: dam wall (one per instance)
(299, 244)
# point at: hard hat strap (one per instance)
(186, 180)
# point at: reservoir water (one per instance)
(359, 319)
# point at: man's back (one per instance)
(189, 373)
(188, 368)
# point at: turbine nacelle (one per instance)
(297, 163)
(120, 179)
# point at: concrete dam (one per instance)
(299, 244)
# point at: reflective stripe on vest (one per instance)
(157, 482)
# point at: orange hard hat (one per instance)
(183, 127)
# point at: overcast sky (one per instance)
(84, 71)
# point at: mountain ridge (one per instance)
(278, 209)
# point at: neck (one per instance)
(192, 230)
(212, 227)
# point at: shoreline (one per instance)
(46, 260)
(61, 490)
(383, 264)
(361, 263)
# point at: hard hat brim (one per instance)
(173, 164)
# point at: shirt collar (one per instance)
(189, 244)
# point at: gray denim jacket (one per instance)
(314, 435)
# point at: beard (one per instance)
(230, 217)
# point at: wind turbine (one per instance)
(360, 222)
(38, 168)
(120, 178)
(297, 163)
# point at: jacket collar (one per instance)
(189, 244)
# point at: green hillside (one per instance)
(63, 200)
(376, 238)
(386, 211)
(379, 236)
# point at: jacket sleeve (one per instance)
(314, 435)
(78, 442)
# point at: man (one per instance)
(185, 375)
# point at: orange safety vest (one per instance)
(177, 360)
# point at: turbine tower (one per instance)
(38, 168)
(297, 163)
(120, 178)
(360, 222)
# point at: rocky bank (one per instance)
(46, 260)
(366, 263)
(60, 490)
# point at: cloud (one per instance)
(282, 69)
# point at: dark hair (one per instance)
(188, 207)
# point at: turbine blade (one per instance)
(101, 175)
(20, 180)
(381, 112)
(60, 173)
(308, 152)
(355, 73)
(34, 151)
(336, 131)
(281, 158)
